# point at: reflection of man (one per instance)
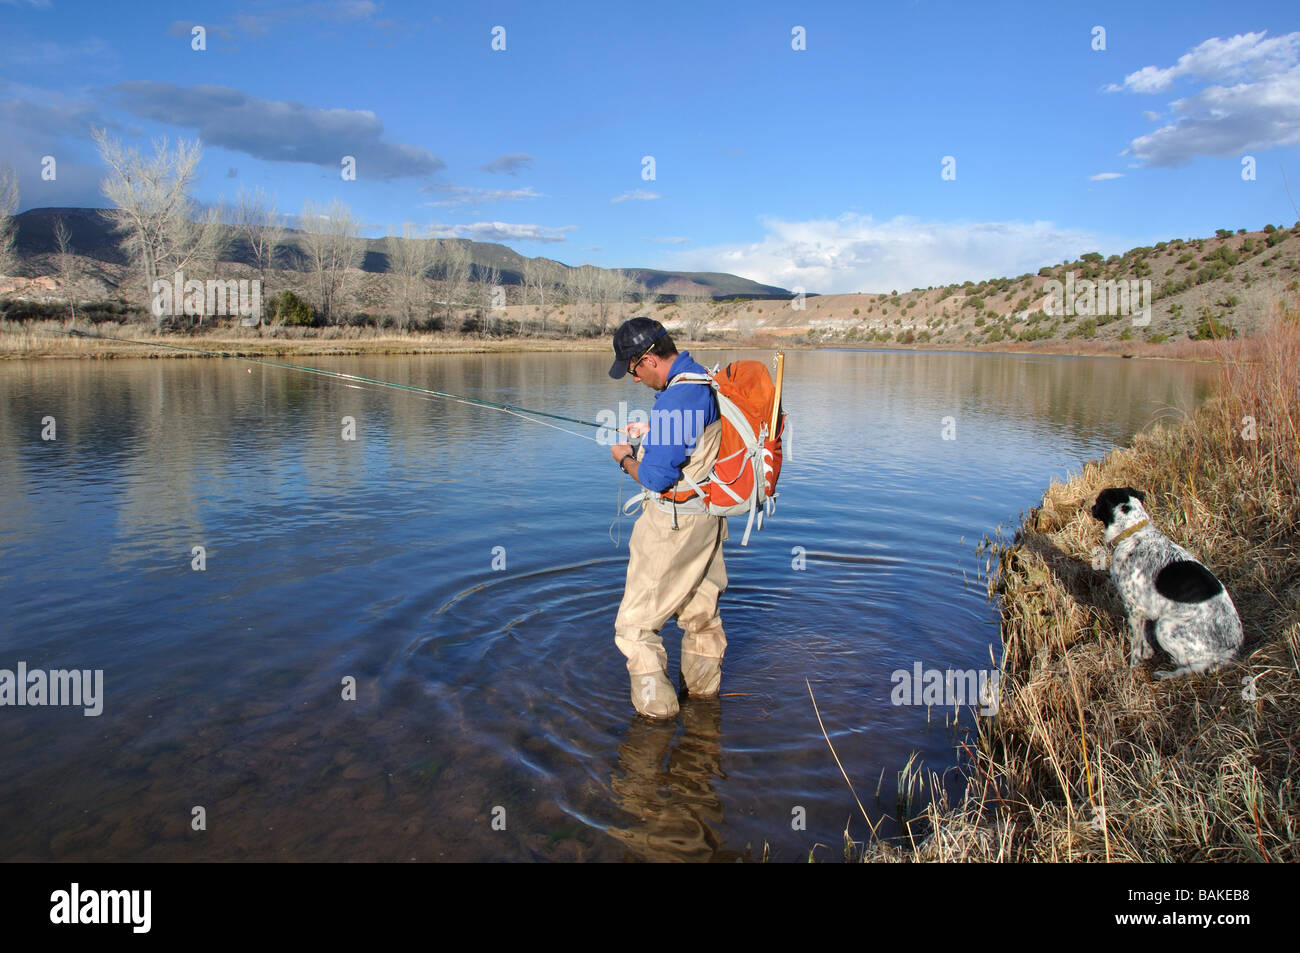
(677, 813)
(675, 567)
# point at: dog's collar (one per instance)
(1129, 532)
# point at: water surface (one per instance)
(491, 696)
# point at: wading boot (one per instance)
(653, 695)
(701, 675)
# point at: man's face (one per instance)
(650, 370)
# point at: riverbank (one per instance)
(53, 339)
(1086, 760)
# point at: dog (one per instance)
(1171, 599)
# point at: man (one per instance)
(675, 568)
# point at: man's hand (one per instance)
(619, 451)
(637, 428)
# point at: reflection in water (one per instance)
(676, 810)
(486, 682)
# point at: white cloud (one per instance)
(1259, 110)
(1103, 176)
(468, 195)
(639, 194)
(667, 240)
(855, 253)
(504, 232)
(1236, 58)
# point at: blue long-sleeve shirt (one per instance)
(679, 417)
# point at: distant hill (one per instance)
(1201, 287)
(92, 237)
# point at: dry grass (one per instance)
(28, 339)
(1087, 760)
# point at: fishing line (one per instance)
(459, 398)
(524, 413)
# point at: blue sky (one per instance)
(818, 168)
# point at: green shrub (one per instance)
(1210, 329)
(287, 308)
(1085, 329)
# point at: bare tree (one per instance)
(610, 286)
(258, 222)
(162, 229)
(541, 276)
(489, 282)
(8, 227)
(648, 298)
(69, 267)
(628, 290)
(453, 260)
(695, 314)
(409, 258)
(335, 250)
(590, 290)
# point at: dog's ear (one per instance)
(1142, 497)
(1104, 508)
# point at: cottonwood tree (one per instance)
(609, 292)
(69, 268)
(489, 281)
(540, 276)
(695, 314)
(335, 250)
(8, 225)
(453, 260)
(410, 257)
(163, 230)
(647, 299)
(584, 287)
(628, 290)
(258, 222)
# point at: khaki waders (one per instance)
(675, 573)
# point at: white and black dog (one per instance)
(1170, 598)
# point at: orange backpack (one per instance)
(743, 479)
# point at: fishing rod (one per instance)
(497, 405)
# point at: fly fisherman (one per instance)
(675, 568)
